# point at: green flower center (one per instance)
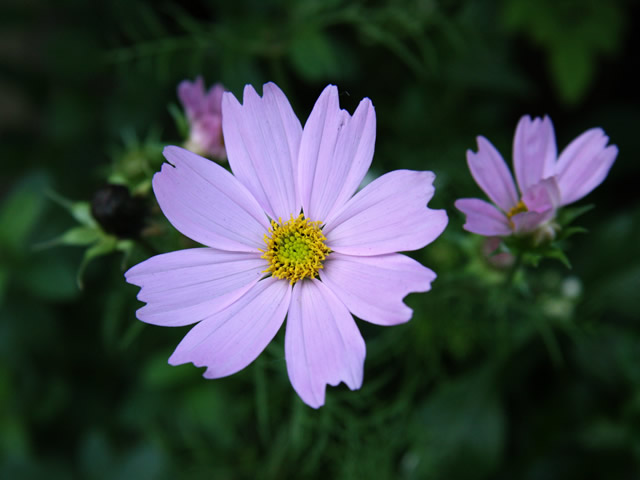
(295, 248)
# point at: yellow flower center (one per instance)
(295, 248)
(519, 208)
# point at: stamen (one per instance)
(295, 248)
(519, 208)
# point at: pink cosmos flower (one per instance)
(204, 114)
(545, 181)
(286, 236)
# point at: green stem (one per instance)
(517, 264)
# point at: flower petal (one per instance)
(527, 222)
(229, 340)
(204, 202)
(388, 215)
(483, 218)
(262, 138)
(205, 136)
(186, 286)
(584, 164)
(192, 97)
(492, 174)
(322, 343)
(214, 99)
(542, 195)
(534, 151)
(335, 153)
(372, 288)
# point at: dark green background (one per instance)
(489, 380)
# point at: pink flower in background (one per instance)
(545, 181)
(204, 114)
(286, 236)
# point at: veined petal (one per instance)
(186, 286)
(534, 151)
(372, 288)
(388, 215)
(483, 218)
(492, 174)
(526, 222)
(335, 153)
(584, 164)
(228, 341)
(262, 138)
(322, 343)
(207, 204)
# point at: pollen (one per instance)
(295, 249)
(519, 208)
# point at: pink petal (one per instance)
(322, 343)
(229, 340)
(542, 196)
(492, 175)
(205, 136)
(483, 218)
(192, 97)
(186, 286)
(584, 164)
(335, 153)
(262, 138)
(214, 99)
(388, 215)
(372, 288)
(534, 151)
(207, 204)
(527, 222)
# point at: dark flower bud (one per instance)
(118, 212)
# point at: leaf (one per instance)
(76, 236)
(106, 245)
(558, 255)
(568, 214)
(80, 211)
(180, 119)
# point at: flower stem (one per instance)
(517, 265)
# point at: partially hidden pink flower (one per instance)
(204, 114)
(545, 180)
(287, 236)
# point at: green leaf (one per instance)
(80, 211)
(77, 236)
(180, 119)
(568, 214)
(558, 255)
(105, 246)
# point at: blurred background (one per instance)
(537, 378)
